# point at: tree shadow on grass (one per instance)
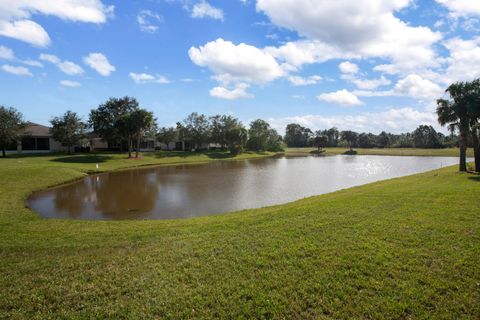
(220, 155)
(475, 178)
(210, 154)
(26, 155)
(173, 154)
(83, 159)
(228, 155)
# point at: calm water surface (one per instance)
(198, 190)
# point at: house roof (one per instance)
(37, 130)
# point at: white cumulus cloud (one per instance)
(241, 63)
(461, 8)
(6, 53)
(203, 9)
(67, 67)
(70, 84)
(348, 67)
(99, 63)
(341, 97)
(294, 54)
(239, 92)
(362, 28)
(413, 86)
(236, 65)
(395, 120)
(149, 21)
(16, 70)
(70, 68)
(32, 63)
(366, 84)
(142, 78)
(464, 59)
(416, 87)
(49, 58)
(304, 81)
(16, 17)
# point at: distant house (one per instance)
(37, 139)
(98, 144)
(185, 146)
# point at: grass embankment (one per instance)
(447, 152)
(403, 248)
(113, 161)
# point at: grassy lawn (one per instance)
(113, 161)
(402, 248)
(447, 152)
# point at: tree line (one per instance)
(122, 122)
(125, 125)
(297, 136)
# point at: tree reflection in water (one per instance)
(126, 195)
(192, 191)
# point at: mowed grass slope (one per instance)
(402, 248)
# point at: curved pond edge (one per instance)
(93, 173)
(199, 163)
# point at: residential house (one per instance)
(37, 139)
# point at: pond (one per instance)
(196, 190)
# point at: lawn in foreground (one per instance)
(407, 247)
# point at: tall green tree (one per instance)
(383, 140)
(258, 135)
(454, 113)
(367, 140)
(236, 139)
(142, 122)
(12, 127)
(320, 141)
(166, 135)
(195, 129)
(333, 136)
(275, 141)
(105, 119)
(350, 137)
(426, 137)
(473, 109)
(220, 125)
(125, 129)
(68, 129)
(261, 137)
(297, 136)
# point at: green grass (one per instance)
(113, 161)
(447, 152)
(398, 249)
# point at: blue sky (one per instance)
(366, 65)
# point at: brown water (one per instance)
(198, 190)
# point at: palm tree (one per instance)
(454, 112)
(350, 137)
(473, 110)
(320, 141)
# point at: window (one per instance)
(43, 144)
(28, 144)
(34, 144)
(147, 145)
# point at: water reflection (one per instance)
(196, 190)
